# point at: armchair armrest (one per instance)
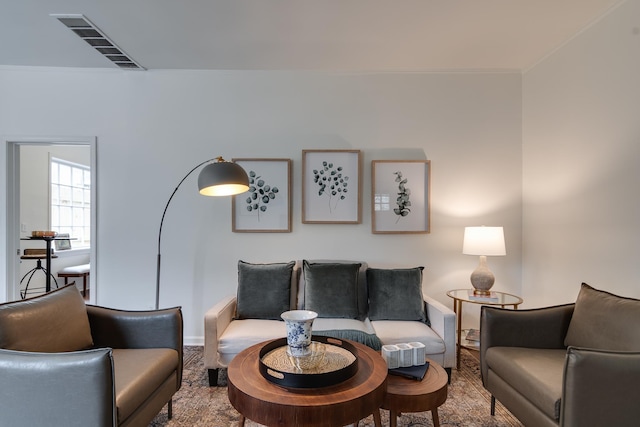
(216, 320)
(535, 328)
(70, 389)
(138, 329)
(443, 323)
(600, 388)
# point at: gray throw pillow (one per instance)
(604, 321)
(396, 294)
(264, 290)
(331, 289)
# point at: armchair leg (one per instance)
(170, 409)
(448, 370)
(213, 377)
(493, 405)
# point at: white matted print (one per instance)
(331, 186)
(400, 196)
(266, 207)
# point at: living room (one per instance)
(547, 151)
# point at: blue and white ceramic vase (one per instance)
(299, 324)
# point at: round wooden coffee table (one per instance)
(337, 405)
(407, 395)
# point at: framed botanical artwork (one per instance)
(266, 207)
(331, 186)
(400, 196)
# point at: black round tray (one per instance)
(308, 380)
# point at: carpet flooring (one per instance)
(196, 404)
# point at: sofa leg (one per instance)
(213, 377)
(448, 374)
(493, 405)
(170, 409)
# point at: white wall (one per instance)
(581, 147)
(154, 126)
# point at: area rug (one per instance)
(467, 405)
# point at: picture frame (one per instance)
(400, 194)
(62, 242)
(266, 207)
(331, 186)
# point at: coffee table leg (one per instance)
(436, 419)
(393, 418)
(241, 424)
(376, 418)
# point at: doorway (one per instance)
(20, 165)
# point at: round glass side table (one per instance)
(461, 296)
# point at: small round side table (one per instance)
(496, 298)
(408, 395)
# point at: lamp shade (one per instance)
(222, 179)
(488, 241)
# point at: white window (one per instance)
(71, 201)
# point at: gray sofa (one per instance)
(373, 306)
(574, 365)
(64, 363)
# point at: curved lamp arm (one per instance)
(233, 176)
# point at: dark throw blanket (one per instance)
(370, 340)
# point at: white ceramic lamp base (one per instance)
(482, 278)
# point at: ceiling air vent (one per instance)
(88, 32)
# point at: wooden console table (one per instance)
(341, 404)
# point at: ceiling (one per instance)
(332, 35)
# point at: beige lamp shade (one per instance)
(488, 241)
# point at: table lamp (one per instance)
(218, 178)
(483, 241)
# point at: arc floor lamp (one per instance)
(218, 178)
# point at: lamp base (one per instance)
(482, 278)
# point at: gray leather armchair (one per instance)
(529, 364)
(64, 363)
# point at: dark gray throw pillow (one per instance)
(604, 321)
(331, 289)
(264, 290)
(396, 294)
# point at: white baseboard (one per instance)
(194, 341)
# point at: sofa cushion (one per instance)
(331, 289)
(242, 334)
(533, 372)
(56, 322)
(402, 331)
(264, 290)
(395, 294)
(138, 374)
(604, 321)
